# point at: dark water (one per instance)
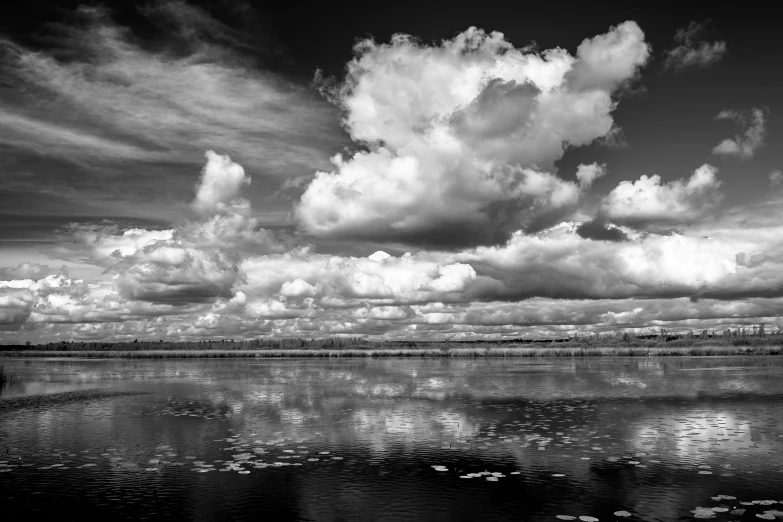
(397, 439)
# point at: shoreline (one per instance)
(609, 351)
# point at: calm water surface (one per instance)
(397, 439)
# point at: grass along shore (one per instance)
(489, 351)
(737, 342)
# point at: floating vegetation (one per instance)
(334, 423)
(191, 409)
(710, 512)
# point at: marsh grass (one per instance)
(476, 352)
(741, 341)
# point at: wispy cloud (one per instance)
(692, 49)
(103, 92)
(69, 140)
(742, 146)
(455, 152)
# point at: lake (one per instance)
(653, 438)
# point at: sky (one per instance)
(202, 170)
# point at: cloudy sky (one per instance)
(178, 170)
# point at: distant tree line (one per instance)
(755, 335)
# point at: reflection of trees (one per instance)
(392, 419)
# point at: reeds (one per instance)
(484, 351)
(741, 341)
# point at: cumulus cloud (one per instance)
(649, 202)
(776, 179)
(224, 276)
(196, 262)
(199, 261)
(692, 49)
(742, 146)
(299, 288)
(221, 181)
(104, 244)
(456, 147)
(452, 278)
(586, 174)
(462, 136)
(549, 283)
(15, 303)
(25, 271)
(170, 273)
(611, 59)
(560, 263)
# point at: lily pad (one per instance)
(702, 512)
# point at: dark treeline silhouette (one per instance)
(757, 335)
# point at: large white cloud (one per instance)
(197, 261)
(218, 189)
(559, 263)
(649, 202)
(462, 136)
(223, 275)
(550, 283)
(458, 142)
